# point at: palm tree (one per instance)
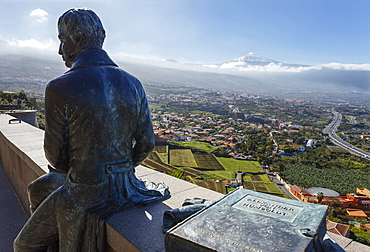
(320, 197)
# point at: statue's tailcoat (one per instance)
(98, 128)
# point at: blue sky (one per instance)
(202, 31)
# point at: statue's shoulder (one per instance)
(61, 82)
(129, 77)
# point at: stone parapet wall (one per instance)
(21, 150)
(136, 229)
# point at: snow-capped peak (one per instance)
(251, 58)
(247, 61)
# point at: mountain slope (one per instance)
(297, 82)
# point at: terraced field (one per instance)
(158, 165)
(161, 149)
(208, 161)
(209, 171)
(182, 157)
(232, 164)
(215, 186)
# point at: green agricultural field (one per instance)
(254, 180)
(265, 178)
(272, 188)
(337, 150)
(163, 157)
(161, 149)
(221, 174)
(182, 157)
(260, 177)
(248, 178)
(155, 156)
(196, 145)
(207, 161)
(240, 165)
(342, 181)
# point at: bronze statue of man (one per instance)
(98, 128)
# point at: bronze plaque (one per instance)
(245, 220)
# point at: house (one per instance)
(300, 148)
(363, 191)
(300, 193)
(337, 228)
(355, 214)
(365, 136)
(352, 200)
(366, 228)
(310, 143)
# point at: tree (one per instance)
(320, 197)
(288, 149)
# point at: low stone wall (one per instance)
(136, 229)
(21, 150)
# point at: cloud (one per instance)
(33, 43)
(30, 47)
(39, 15)
(272, 67)
(285, 68)
(352, 67)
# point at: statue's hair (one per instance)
(83, 26)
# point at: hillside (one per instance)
(320, 84)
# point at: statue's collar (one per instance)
(92, 56)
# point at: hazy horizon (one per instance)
(202, 32)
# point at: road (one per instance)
(331, 130)
(278, 183)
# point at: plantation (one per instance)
(182, 157)
(338, 150)
(161, 149)
(342, 181)
(208, 161)
(208, 171)
(240, 165)
(196, 145)
(215, 186)
(260, 177)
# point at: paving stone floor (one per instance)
(12, 215)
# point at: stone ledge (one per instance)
(146, 221)
(348, 244)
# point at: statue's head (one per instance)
(79, 29)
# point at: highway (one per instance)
(331, 130)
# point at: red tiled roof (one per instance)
(337, 228)
(356, 212)
(299, 189)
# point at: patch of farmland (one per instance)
(168, 169)
(194, 173)
(272, 188)
(256, 178)
(240, 165)
(158, 166)
(248, 185)
(222, 174)
(208, 161)
(260, 186)
(161, 149)
(155, 157)
(182, 157)
(210, 184)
